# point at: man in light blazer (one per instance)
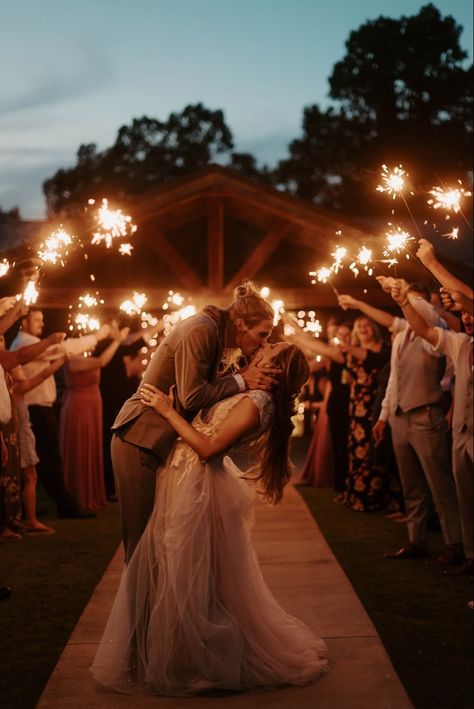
(188, 359)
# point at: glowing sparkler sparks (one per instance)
(397, 240)
(134, 305)
(449, 199)
(30, 295)
(338, 254)
(323, 274)
(393, 181)
(453, 234)
(4, 267)
(111, 224)
(125, 249)
(265, 292)
(364, 257)
(55, 247)
(83, 321)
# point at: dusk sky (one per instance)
(73, 73)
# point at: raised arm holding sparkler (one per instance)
(427, 256)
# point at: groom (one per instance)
(188, 358)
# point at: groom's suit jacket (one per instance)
(188, 357)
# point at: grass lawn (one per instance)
(52, 579)
(421, 615)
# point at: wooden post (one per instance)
(215, 244)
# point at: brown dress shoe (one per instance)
(412, 550)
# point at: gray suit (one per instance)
(187, 358)
(413, 404)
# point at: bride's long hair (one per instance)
(275, 467)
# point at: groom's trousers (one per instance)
(135, 480)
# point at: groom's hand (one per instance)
(257, 376)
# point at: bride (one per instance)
(193, 612)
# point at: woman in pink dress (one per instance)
(80, 430)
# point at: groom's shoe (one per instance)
(412, 550)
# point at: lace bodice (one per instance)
(209, 420)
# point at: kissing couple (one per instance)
(193, 612)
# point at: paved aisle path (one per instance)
(308, 581)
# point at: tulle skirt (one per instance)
(193, 612)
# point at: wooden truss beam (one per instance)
(175, 262)
(215, 244)
(260, 254)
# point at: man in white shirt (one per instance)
(43, 419)
(412, 406)
(459, 346)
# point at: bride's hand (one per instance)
(155, 399)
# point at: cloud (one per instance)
(77, 76)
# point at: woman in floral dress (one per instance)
(366, 482)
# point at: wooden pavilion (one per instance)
(203, 234)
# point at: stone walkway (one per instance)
(307, 580)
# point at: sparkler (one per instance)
(170, 320)
(4, 267)
(338, 254)
(453, 234)
(450, 200)
(363, 258)
(125, 249)
(393, 181)
(134, 305)
(322, 275)
(110, 224)
(85, 321)
(30, 295)
(55, 248)
(397, 240)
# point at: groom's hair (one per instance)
(250, 305)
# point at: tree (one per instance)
(9, 222)
(403, 95)
(146, 153)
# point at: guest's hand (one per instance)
(452, 299)
(155, 399)
(386, 282)
(123, 334)
(378, 431)
(7, 304)
(426, 252)
(102, 332)
(56, 338)
(399, 292)
(347, 302)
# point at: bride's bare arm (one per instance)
(243, 418)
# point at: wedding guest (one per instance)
(43, 419)
(365, 485)
(459, 347)
(413, 408)
(28, 456)
(326, 462)
(10, 478)
(80, 430)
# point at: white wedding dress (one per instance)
(193, 612)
